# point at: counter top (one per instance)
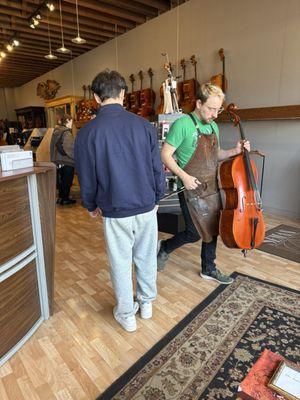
(39, 168)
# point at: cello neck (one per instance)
(249, 170)
(222, 58)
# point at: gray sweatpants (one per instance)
(132, 240)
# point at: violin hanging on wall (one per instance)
(134, 96)
(241, 222)
(220, 79)
(147, 97)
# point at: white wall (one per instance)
(7, 104)
(261, 42)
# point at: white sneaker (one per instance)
(128, 323)
(146, 310)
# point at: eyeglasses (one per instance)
(216, 110)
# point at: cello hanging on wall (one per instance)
(147, 97)
(134, 96)
(189, 88)
(220, 79)
(241, 222)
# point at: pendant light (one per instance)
(50, 56)
(78, 39)
(62, 49)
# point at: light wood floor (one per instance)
(81, 350)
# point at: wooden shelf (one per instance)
(265, 113)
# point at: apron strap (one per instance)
(197, 126)
(195, 123)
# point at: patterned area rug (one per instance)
(283, 241)
(211, 350)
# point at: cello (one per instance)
(241, 222)
(220, 79)
(134, 99)
(189, 90)
(147, 97)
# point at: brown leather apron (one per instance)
(204, 203)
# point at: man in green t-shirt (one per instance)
(194, 139)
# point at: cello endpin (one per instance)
(244, 251)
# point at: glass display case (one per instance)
(31, 117)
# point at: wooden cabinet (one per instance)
(27, 241)
(31, 117)
(66, 105)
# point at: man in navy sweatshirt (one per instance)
(121, 177)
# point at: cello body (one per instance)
(147, 99)
(241, 220)
(239, 206)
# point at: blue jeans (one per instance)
(191, 235)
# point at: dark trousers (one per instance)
(65, 175)
(191, 235)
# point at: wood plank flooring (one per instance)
(81, 350)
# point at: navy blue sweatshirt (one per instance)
(118, 163)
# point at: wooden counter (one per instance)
(27, 240)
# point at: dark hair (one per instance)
(108, 84)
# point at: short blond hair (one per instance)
(207, 90)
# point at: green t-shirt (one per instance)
(183, 136)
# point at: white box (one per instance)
(11, 147)
(16, 160)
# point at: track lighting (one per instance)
(34, 22)
(16, 42)
(36, 16)
(50, 5)
(9, 47)
(2, 54)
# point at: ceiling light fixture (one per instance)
(50, 6)
(16, 42)
(33, 23)
(2, 54)
(36, 16)
(78, 39)
(50, 56)
(62, 49)
(9, 47)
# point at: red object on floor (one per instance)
(254, 386)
